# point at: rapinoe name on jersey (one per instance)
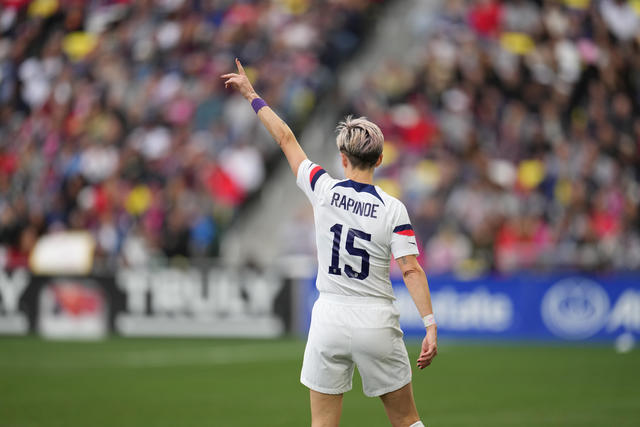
(354, 206)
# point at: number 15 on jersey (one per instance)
(352, 234)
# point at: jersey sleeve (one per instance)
(312, 180)
(403, 239)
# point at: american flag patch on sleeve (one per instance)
(316, 173)
(404, 230)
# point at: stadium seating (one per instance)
(512, 127)
(514, 135)
(114, 119)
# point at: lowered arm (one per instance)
(416, 282)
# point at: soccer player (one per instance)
(358, 228)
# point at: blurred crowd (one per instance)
(513, 134)
(113, 118)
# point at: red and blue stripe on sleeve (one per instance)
(316, 173)
(404, 230)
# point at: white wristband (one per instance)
(428, 320)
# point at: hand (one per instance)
(240, 82)
(429, 347)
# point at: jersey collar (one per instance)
(359, 187)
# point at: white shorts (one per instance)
(355, 330)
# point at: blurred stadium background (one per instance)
(139, 198)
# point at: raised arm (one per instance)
(416, 282)
(276, 127)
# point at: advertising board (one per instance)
(573, 307)
(13, 319)
(72, 308)
(190, 301)
(198, 302)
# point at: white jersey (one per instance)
(358, 228)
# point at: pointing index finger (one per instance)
(240, 67)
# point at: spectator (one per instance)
(532, 131)
(113, 119)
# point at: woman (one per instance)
(358, 228)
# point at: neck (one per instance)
(359, 175)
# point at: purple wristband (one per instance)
(257, 104)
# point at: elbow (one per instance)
(286, 138)
(410, 272)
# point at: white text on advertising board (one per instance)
(12, 286)
(626, 312)
(170, 301)
(474, 310)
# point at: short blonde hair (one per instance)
(360, 140)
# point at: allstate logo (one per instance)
(575, 308)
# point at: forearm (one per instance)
(278, 129)
(416, 282)
(282, 134)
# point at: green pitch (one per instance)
(150, 382)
